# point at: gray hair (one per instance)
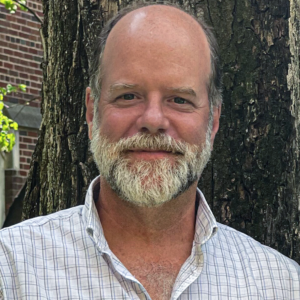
(214, 88)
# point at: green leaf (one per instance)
(22, 87)
(14, 125)
(9, 88)
(3, 91)
(1, 106)
(7, 5)
(12, 6)
(7, 139)
(1, 97)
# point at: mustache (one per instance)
(158, 142)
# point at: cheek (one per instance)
(191, 128)
(116, 123)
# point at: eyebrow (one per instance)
(123, 86)
(183, 90)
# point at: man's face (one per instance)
(154, 96)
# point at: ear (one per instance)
(89, 103)
(216, 122)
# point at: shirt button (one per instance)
(90, 231)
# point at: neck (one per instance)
(170, 224)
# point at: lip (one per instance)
(150, 154)
(148, 150)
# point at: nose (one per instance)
(153, 119)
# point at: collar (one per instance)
(206, 225)
(91, 218)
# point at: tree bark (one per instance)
(252, 181)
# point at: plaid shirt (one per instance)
(65, 256)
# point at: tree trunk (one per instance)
(252, 181)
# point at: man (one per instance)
(145, 231)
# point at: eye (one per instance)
(179, 100)
(182, 104)
(127, 97)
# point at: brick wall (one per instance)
(20, 58)
(28, 139)
(13, 184)
(15, 178)
(21, 53)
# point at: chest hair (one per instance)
(158, 278)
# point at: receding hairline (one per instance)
(158, 8)
(96, 71)
(184, 16)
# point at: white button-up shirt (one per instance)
(66, 256)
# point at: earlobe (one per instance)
(89, 103)
(216, 122)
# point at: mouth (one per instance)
(152, 153)
(155, 150)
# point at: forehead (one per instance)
(160, 35)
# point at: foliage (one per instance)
(7, 139)
(12, 5)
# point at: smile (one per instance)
(151, 154)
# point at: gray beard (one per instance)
(149, 183)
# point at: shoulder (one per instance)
(40, 228)
(240, 263)
(262, 259)
(243, 243)
(42, 220)
(38, 246)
